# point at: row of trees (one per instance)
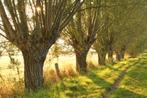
(123, 26)
(109, 27)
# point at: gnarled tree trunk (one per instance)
(33, 66)
(110, 55)
(81, 64)
(35, 40)
(120, 54)
(101, 57)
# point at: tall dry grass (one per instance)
(12, 84)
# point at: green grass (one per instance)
(98, 80)
(134, 84)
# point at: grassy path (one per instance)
(126, 79)
(117, 82)
(123, 81)
(134, 83)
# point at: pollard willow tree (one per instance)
(34, 26)
(82, 32)
(128, 27)
(101, 45)
(117, 36)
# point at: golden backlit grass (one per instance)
(91, 85)
(10, 84)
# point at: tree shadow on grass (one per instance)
(130, 63)
(74, 89)
(123, 93)
(115, 69)
(118, 93)
(99, 81)
(137, 77)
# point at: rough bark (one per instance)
(120, 55)
(123, 52)
(35, 40)
(110, 55)
(33, 67)
(101, 57)
(81, 64)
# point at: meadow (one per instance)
(125, 79)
